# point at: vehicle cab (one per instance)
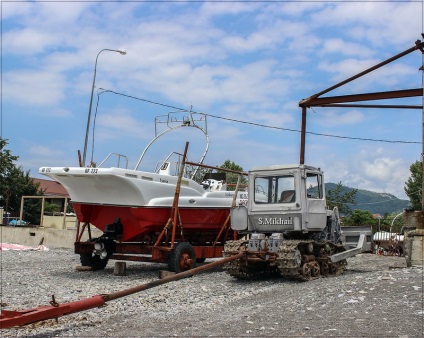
(282, 198)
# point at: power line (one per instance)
(262, 125)
(313, 133)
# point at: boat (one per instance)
(131, 205)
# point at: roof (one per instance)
(50, 187)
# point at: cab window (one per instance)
(314, 186)
(274, 189)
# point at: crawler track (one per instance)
(294, 259)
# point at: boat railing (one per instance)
(172, 122)
(119, 157)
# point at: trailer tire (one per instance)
(182, 258)
(93, 261)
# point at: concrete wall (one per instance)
(414, 241)
(50, 237)
(59, 222)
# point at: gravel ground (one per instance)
(377, 296)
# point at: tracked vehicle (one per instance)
(287, 226)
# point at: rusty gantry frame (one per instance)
(349, 101)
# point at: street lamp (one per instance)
(120, 51)
(393, 221)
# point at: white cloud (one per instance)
(13, 9)
(213, 9)
(334, 118)
(373, 21)
(28, 41)
(50, 14)
(248, 44)
(280, 120)
(33, 87)
(114, 125)
(388, 77)
(342, 47)
(346, 67)
(295, 9)
(371, 170)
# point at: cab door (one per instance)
(316, 215)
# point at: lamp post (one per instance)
(122, 52)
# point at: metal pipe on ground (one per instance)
(10, 319)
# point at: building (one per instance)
(58, 193)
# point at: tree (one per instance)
(341, 197)
(233, 177)
(394, 219)
(413, 186)
(199, 172)
(15, 183)
(50, 208)
(359, 217)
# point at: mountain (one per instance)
(374, 202)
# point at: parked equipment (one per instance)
(289, 230)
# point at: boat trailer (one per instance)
(160, 248)
(10, 319)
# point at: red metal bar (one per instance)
(395, 94)
(233, 204)
(382, 106)
(315, 99)
(163, 232)
(303, 136)
(418, 45)
(175, 210)
(131, 258)
(10, 319)
(181, 275)
(80, 231)
(17, 318)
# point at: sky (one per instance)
(246, 65)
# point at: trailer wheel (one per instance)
(94, 261)
(182, 258)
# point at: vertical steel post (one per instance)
(65, 207)
(303, 136)
(422, 127)
(422, 147)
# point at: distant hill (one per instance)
(374, 202)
